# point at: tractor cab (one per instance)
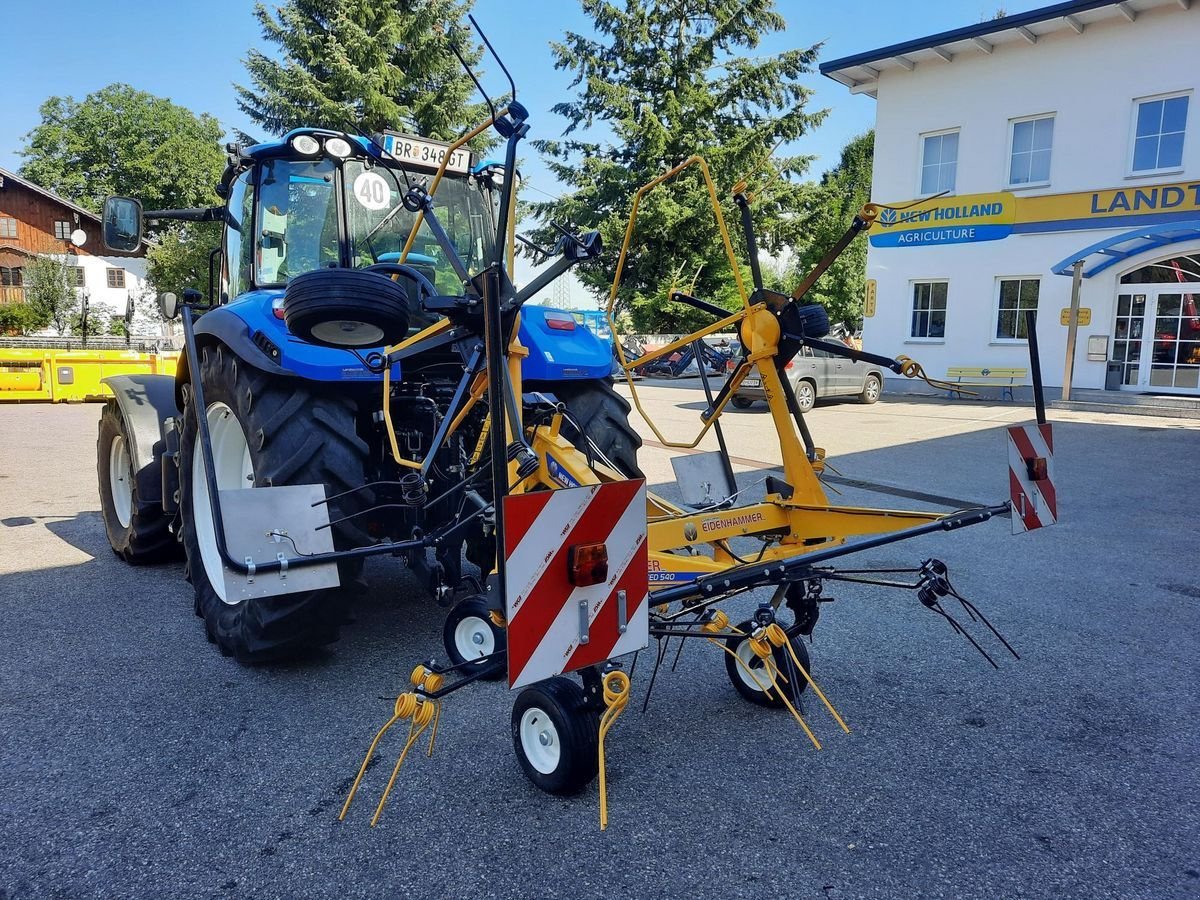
(320, 199)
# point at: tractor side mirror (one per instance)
(168, 305)
(122, 218)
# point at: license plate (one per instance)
(407, 148)
(751, 382)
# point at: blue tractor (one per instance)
(319, 270)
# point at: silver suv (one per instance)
(816, 374)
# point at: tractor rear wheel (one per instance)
(266, 432)
(137, 530)
(604, 416)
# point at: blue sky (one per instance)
(191, 51)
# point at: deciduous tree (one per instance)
(120, 140)
(49, 293)
(829, 208)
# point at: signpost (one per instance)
(1072, 328)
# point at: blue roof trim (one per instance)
(1007, 23)
(1108, 252)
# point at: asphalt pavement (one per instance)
(136, 761)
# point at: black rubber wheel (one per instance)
(292, 434)
(556, 736)
(744, 684)
(741, 402)
(814, 319)
(137, 529)
(469, 634)
(604, 416)
(347, 308)
(872, 388)
(806, 394)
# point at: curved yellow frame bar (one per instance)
(732, 319)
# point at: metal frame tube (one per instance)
(774, 572)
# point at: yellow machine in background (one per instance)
(73, 376)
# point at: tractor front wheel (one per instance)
(266, 431)
(603, 414)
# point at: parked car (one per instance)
(815, 374)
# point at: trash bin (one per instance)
(1112, 376)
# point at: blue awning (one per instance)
(1121, 247)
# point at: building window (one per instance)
(75, 276)
(8, 227)
(1159, 126)
(11, 277)
(939, 162)
(929, 309)
(1029, 159)
(62, 230)
(1016, 296)
(116, 278)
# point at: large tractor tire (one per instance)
(267, 432)
(604, 416)
(137, 528)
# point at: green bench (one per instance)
(986, 376)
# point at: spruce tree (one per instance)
(370, 64)
(658, 83)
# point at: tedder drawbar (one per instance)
(534, 477)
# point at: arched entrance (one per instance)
(1156, 331)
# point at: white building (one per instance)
(1066, 133)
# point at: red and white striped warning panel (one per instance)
(576, 578)
(1031, 477)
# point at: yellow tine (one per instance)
(363, 768)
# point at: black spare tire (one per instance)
(347, 308)
(814, 320)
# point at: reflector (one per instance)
(587, 564)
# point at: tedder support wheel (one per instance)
(137, 529)
(748, 685)
(266, 431)
(469, 634)
(741, 402)
(556, 736)
(603, 415)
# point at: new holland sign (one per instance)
(947, 220)
(970, 218)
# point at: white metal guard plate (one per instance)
(251, 516)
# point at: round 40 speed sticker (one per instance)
(371, 191)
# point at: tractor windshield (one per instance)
(379, 225)
(299, 223)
